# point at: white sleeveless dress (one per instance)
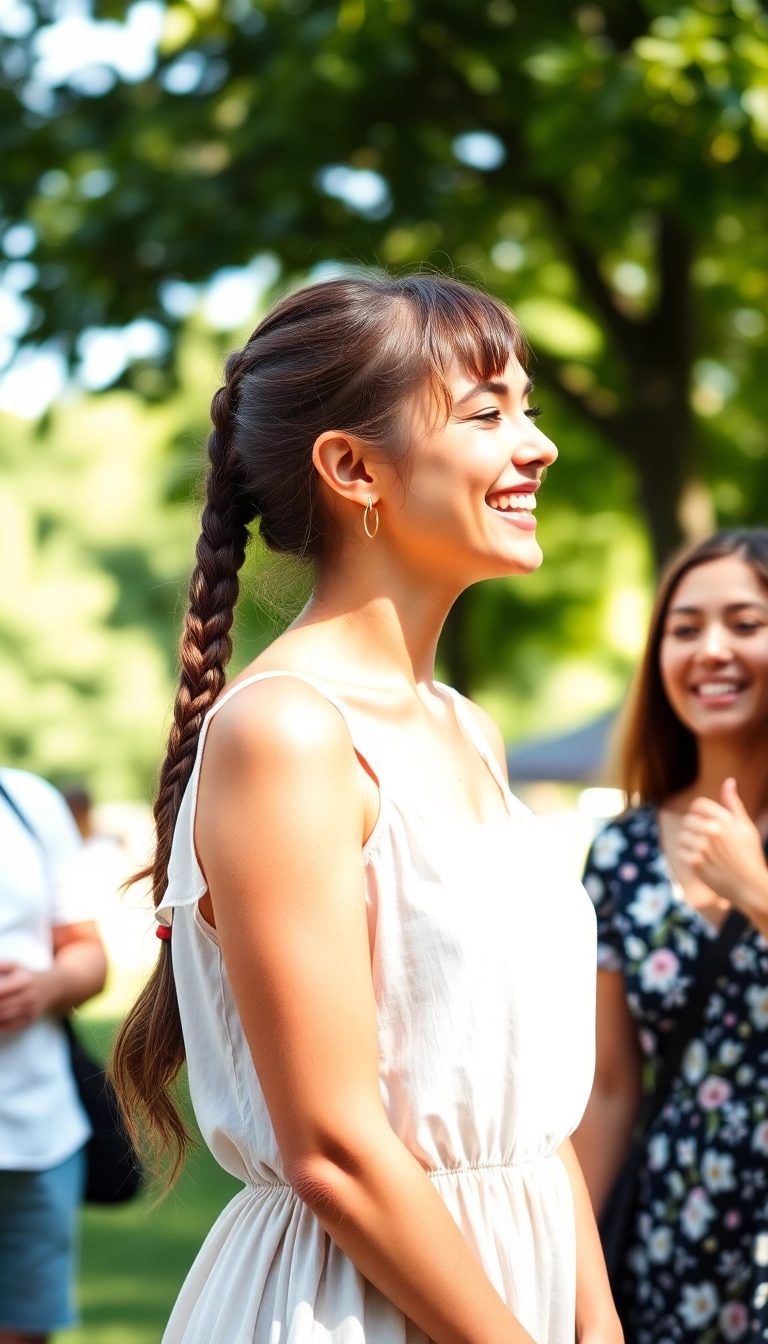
(483, 957)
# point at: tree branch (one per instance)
(628, 335)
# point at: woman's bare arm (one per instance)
(603, 1137)
(596, 1319)
(280, 826)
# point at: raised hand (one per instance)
(721, 845)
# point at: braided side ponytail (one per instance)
(149, 1049)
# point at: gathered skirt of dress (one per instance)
(268, 1271)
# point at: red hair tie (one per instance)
(163, 931)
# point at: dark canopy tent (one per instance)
(575, 757)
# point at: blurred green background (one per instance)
(168, 168)
(135, 1257)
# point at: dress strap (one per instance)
(266, 676)
(297, 676)
(186, 883)
(478, 739)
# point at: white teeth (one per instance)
(714, 688)
(512, 502)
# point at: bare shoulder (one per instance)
(278, 721)
(278, 763)
(490, 729)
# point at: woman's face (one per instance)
(468, 511)
(714, 650)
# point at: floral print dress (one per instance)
(696, 1266)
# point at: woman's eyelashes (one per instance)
(493, 417)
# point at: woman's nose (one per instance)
(715, 643)
(535, 450)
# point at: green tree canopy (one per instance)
(602, 167)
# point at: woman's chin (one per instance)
(524, 557)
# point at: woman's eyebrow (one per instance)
(731, 606)
(495, 388)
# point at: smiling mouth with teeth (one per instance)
(716, 690)
(513, 503)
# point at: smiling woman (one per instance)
(713, 597)
(666, 879)
(365, 988)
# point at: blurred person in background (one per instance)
(101, 863)
(665, 878)
(80, 804)
(51, 960)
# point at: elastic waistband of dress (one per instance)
(258, 1185)
(276, 1185)
(469, 1168)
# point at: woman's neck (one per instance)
(388, 630)
(720, 758)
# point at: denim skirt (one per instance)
(38, 1246)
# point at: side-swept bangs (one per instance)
(409, 333)
(461, 327)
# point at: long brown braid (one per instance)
(344, 355)
(150, 1042)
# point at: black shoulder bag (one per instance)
(615, 1219)
(113, 1172)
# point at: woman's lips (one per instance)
(718, 692)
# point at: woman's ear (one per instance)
(343, 464)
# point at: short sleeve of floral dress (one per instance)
(696, 1266)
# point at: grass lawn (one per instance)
(135, 1257)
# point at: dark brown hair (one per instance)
(345, 354)
(657, 753)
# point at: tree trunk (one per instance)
(654, 427)
(659, 445)
(659, 430)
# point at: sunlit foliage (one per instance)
(602, 167)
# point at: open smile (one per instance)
(718, 692)
(515, 505)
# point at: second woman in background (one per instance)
(664, 878)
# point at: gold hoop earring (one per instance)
(371, 511)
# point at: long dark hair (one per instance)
(657, 753)
(345, 354)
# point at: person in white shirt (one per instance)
(51, 960)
